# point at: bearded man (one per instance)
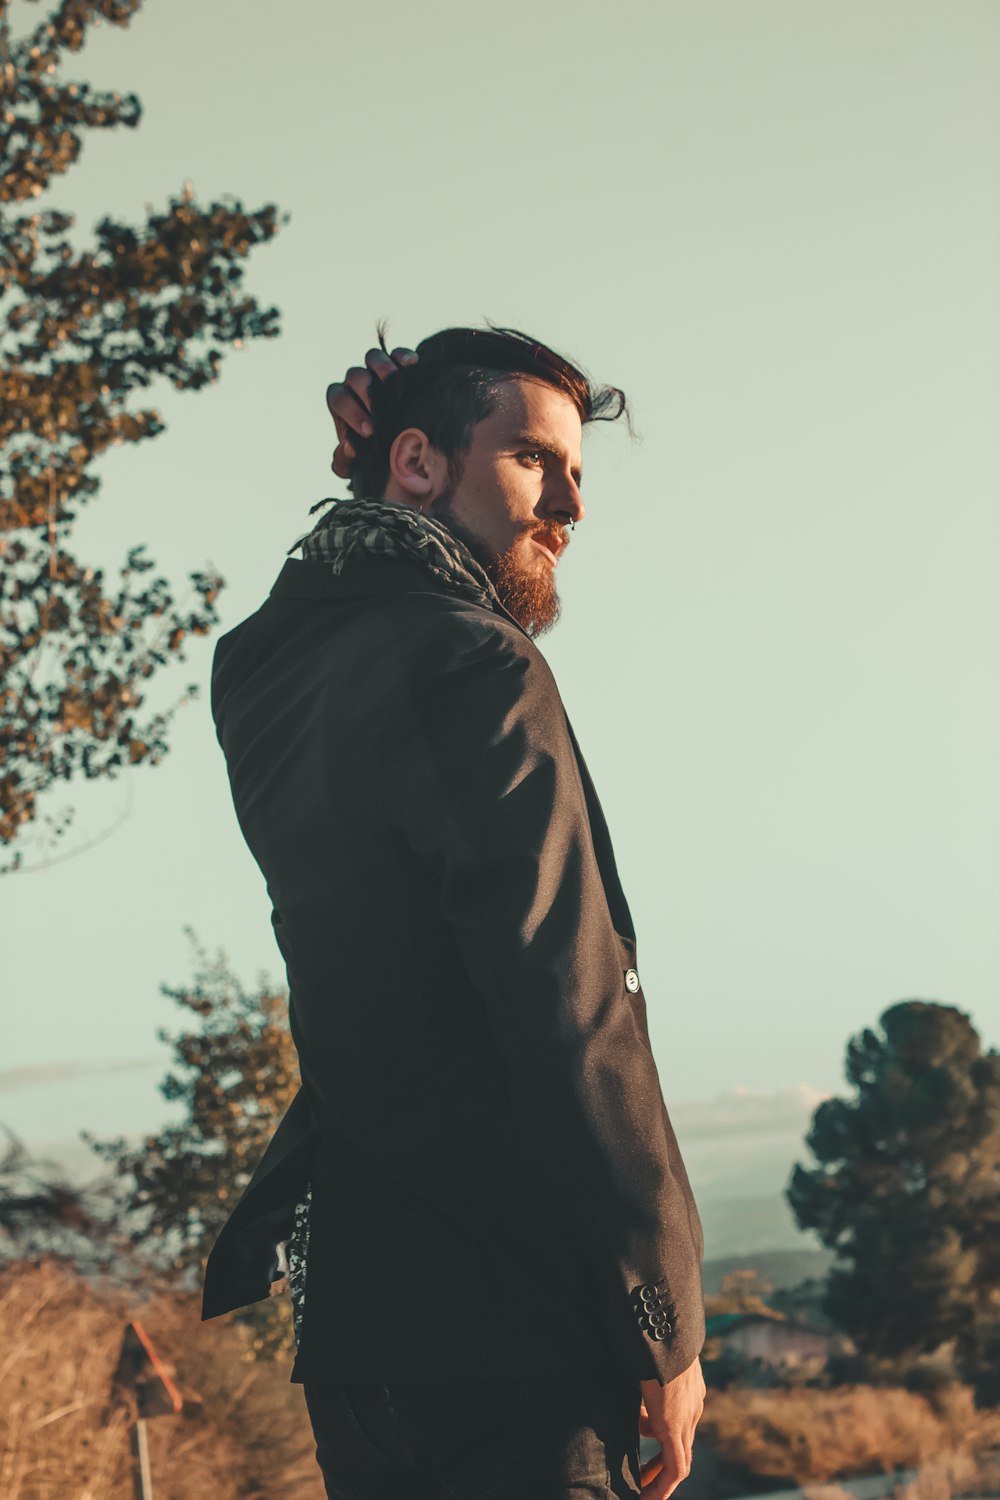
(491, 1245)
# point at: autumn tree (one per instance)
(742, 1291)
(83, 333)
(906, 1192)
(235, 1072)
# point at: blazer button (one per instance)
(631, 980)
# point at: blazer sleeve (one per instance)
(483, 784)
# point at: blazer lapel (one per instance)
(618, 906)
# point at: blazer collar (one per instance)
(363, 576)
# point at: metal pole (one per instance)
(143, 1472)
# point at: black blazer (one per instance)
(496, 1187)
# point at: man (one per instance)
(493, 1249)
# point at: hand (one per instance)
(670, 1413)
(349, 404)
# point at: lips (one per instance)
(552, 545)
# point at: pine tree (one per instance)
(907, 1191)
(235, 1073)
(84, 331)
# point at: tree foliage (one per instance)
(235, 1073)
(42, 1213)
(742, 1291)
(35, 1197)
(82, 334)
(907, 1191)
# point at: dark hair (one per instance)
(454, 386)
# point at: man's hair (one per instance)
(455, 385)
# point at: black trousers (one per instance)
(478, 1440)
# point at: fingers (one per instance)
(649, 1471)
(343, 458)
(672, 1413)
(349, 401)
(383, 365)
(660, 1475)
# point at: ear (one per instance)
(418, 470)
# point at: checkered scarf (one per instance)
(367, 527)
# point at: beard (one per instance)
(528, 593)
(526, 586)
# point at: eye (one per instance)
(533, 452)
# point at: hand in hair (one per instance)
(349, 405)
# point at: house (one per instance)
(772, 1340)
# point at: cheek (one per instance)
(509, 499)
(499, 501)
(520, 487)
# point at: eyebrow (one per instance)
(531, 440)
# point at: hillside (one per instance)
(782, 1268)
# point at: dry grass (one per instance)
(953, 1475)
(811, 1436)
(244, 1434)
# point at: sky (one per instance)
(775, 225)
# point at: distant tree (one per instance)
(803, 1303)
(742, 1291)
(235, 1074)
(907, 1191)
(82, 331)
(43, 1214)
(35, 1195)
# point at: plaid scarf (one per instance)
(369, 527)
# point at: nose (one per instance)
(568, 507)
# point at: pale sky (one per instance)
(776, 226)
